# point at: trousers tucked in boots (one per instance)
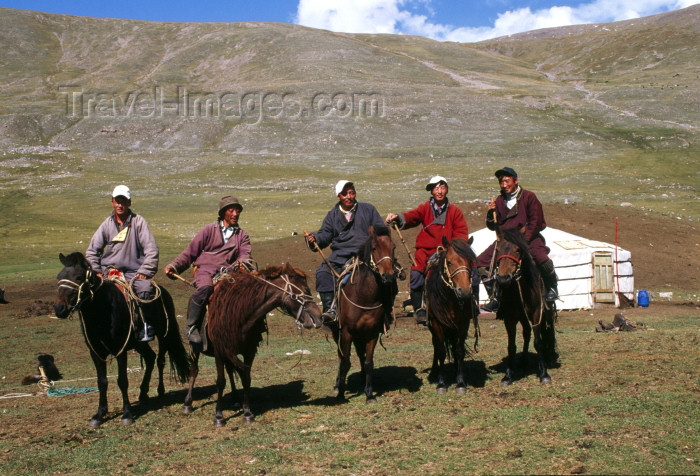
(328, 303)
(417, 303)
(549, 277)
(195, 314)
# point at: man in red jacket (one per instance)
(517, 208)
(437, 218)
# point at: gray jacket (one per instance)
(135, 251)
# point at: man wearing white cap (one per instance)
(345, 228)
(438, 219)
(125, 242)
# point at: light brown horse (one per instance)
(236, 322)
(365, 302)
(448, 291)
(522, 301)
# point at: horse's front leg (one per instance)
(149, 358)
(248, 415)
(439, 355)
(220, 387)
(368, 366)
(194, 370)
(160, 363)
(541, 364)
(102, 382)
(458, 352)
(343, 343)
(123, 382)
(511, 325)
(527, 335)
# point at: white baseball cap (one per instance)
(121, 191)
(341, 185)
(434, 181)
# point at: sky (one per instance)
(442, 20)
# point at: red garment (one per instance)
(451, 224)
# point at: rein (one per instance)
(299, 296)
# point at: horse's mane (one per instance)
(437, 292)
(365, 251)
(74, 258)
(527, 266)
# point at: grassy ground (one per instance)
(624, 403)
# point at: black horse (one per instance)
(448, 291)
(522, 301)
(107, 327)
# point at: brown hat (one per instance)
(228, 201)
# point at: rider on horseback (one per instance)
(517, 208)
(218, 245)
(345, 229)
(438, 219)
(124, 242)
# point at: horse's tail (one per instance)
(548, 336)
(180, 360)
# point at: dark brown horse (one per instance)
(448, 291)
(522, 301)
(107, 327)
(236, 323)
(364, 302)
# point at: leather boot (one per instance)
(147, 333)
(195, 313)
(492, 305)
(418, 311)
(328, 303)
(549, 277)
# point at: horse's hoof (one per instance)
(127, 421)
(95, 423)
(187, 409)
(441, 390)
(371, 401)
(335, 392)
(505, 382)
(219, 422)
(249, 418)
(461, 390)
(545, 380)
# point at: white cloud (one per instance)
(395, 16)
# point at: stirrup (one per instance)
(491, 306)
(329, 316)
(193, 335)
(421, 317)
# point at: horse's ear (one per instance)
(470, 240)
(371, 230)
(499, 233)
(288, 269)
(445, 243)
(523, 230)
(62, 259)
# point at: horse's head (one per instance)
(511, 249)
(71, 281)
(457, 267)
(381, 253)
(297, 299)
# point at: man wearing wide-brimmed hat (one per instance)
(438, 218)
(516, 208)
(124, 242)
(218, 245)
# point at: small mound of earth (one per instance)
(35, 309)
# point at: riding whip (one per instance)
(317, 248)
(177, 276)
(396, 227)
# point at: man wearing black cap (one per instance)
(517, 208)
(345, 228)
(218, 245)
(438, 219)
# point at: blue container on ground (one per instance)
(643, 298)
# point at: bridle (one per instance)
(294, 292)
(80, 289)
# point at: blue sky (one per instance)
(444, 20)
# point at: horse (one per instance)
(363, 303)
(107, 327)
(236, 322)
(448, 291)
(522, 301)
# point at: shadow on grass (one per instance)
(525, 366)
(475, 374)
